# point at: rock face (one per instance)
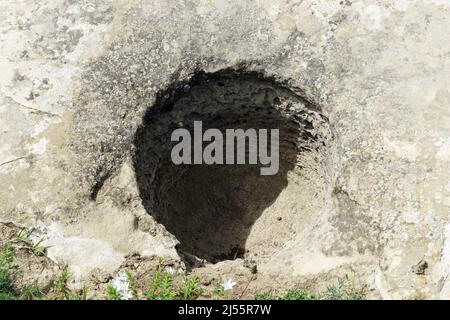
(359, 89)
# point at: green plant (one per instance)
(132, 284)
(7, 268)
(254, 269)
(191, 289)
(166, 286)
(6, 296)
(23, 239)
(61, 283)
(112, 293)
(218, 293)
(61, 290)
(295, 294)
(265, 296)
(344, 289)
(30, 292)
(161, 287)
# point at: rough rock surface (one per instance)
(78, 77)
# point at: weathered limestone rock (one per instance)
(80, 78)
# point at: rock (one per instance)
(362, 90)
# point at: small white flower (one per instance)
(122, 286)
(169, 270)
(228, 284)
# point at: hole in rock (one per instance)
(223, 212)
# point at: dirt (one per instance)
(30, 268)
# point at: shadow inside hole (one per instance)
(211, 209)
